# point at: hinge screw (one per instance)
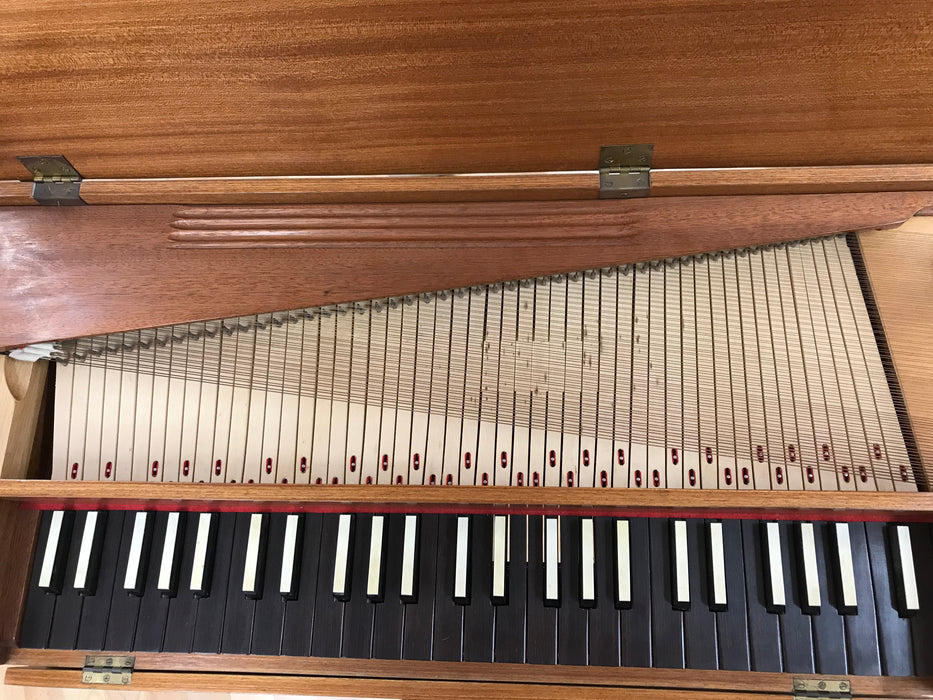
(799, 684)
(843, 685)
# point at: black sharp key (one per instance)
(479, 615)
(299, 612)
(861, 630)
(64, 632)
(796, 630)
(448, 615)
(270, 608)
(238, 612)
(921, 622)
(667, 624)
(764, 637)
(183, 607)
(635, 621)
(209, 627)
(153, 608)
(418, 630)
(699, 620)
(571, 617)
(388, 615)
(603, 622)
(358, 611)
(732, 623)
(92, 632)
(40, 600)
(328, 610)
(829, 646)
(893, 630)
(541, 619)
(510, 616)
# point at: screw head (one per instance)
(822, 685)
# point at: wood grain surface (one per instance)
(21, 388)
(171, 88)
(900, 265)
(828, 505)
(472, 187)
(78, 271)
(379, 678)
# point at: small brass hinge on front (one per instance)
(821, 688)
(55, 182)
(625, 171)
(101, 669)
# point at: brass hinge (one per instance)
(625, 171)
(100, 669)
(55, 181)
(821, 688)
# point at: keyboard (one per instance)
(800, 597)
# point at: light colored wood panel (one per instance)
(166, 88)
(21, 387)
(79, 271)
(831, 505)
(900, 266)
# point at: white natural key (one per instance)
(717, 567)
(623, 565)
(84, 554)
(848, 603)
(251, 581)
(131, 582)
(776, 597)
(342, 559)
(199, 562)
(289, 552)
(374, 579)
(50, 554)
(500, 533)
(167, 565)
(587, 564)
(909, 598)
(409, 548)
(681, 566)
(811, 581)
(551, 557)
(461, 581)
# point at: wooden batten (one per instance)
(487, 187)
(793, 505)
(393, 679)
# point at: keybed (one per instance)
(749, 369)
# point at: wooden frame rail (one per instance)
(794, 505)
(488, 187)
(393, 679)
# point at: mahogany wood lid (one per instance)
(173, 88)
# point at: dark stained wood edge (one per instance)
(471, 187)
(831, 505)
(16, 552)
(115, 268)
(298, 673)
(361, 687)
